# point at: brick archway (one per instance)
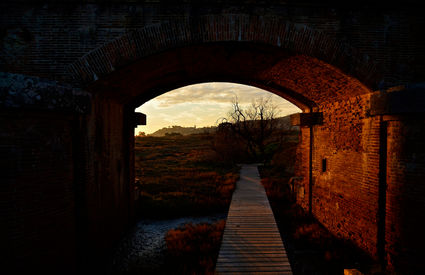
(371, 142)
(272, 31)
(306, 67)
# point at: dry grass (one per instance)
(193, 249)
(181, 176)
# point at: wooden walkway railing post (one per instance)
(251, 241)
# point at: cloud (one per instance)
(182, 116)
(211, 93)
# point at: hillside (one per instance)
(182, 130)
(283, 122)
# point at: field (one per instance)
(181, 176)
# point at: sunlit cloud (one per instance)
(203, 105)
(220, 93)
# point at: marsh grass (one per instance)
(193, 249)
(181, 176)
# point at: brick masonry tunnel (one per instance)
(72, 75)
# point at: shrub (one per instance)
(193, 249)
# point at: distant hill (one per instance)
(182, 130)
(284, 123)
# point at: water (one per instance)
(143, 249)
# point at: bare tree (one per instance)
(256, 125)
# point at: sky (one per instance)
(203, 105)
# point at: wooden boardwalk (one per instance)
(251, 241)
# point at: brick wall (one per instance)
(405, 197)
(348, 197)
(317, 70)
(302, 168)
(65, 165)
(37, 192)
(345, 196)
(107, 191)
(43, 39)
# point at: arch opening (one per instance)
(164, 158)
(205, 105)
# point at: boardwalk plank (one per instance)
(251, 241)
